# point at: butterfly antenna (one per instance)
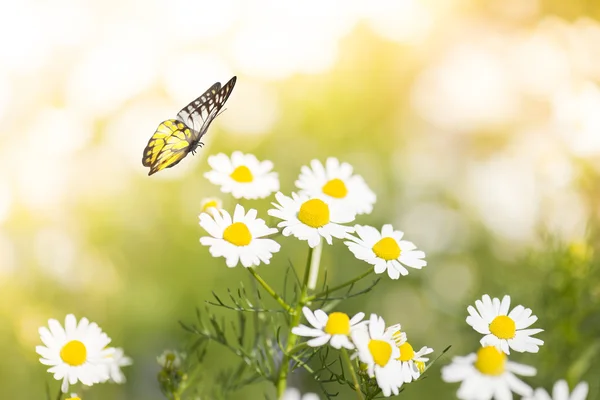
(220, 112)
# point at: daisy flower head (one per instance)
(334, 328)
(115, 362)
(376, 348)
(74, 397)
(385, 250)
(75, 353)
(243, 175)
(294, 394)
(171, 359)
(561, 392)
(487, 375)
(311, 218)
(238, 239)
(336, 183)
(503, 329)
(413, 363)
(209, 204)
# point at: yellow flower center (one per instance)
(420, 365)
(74, 353)
(74, 398)
(387, 248)
(210, 204)
(406, 352)
(503, 327)
(314, 213)
(338, 323)
(242, 174)
(335, 188)
(237, 234)
(381, 352)
(490, 361)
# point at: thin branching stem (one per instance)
(343, 285)
(297, 313)
(270, 290)
(353, 374)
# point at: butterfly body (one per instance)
(175, 138)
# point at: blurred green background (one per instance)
(477, 123)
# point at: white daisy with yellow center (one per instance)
(487, 375)
(76, 352)
(239, 239)
(336, 183)
(209, 204)
(385, 250)
(74, 397)
(334, 328)
(243, 175)
(311, 218)
(377, 349)
(503, 329)
(561, 392)
(413, 363)
(115, 362)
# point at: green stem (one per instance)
(343, 285)
(314, 266)
(296, 316)
(60, 394)
(353, 373)
(270, 290)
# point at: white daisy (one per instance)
(76, 352)
(487, 375)
(561, 392)
(294, 394)
(335, 183)
(334, 328)
(503, 329)
(385, 250)
(413, 363)
(311, 218)
(74, 397)
(116, 361)
(238, 240)
(210, 203)
(243, 175)
(171, 359)
(377, 349)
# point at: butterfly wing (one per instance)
(193, 112)
(209, 110)
(168, 146)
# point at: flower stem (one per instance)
(296, 316)
(314, 266)
(359, 393)
(270, 290)
(343, 285)
(60, 394)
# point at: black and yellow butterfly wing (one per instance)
(176, 138)
(169, 145)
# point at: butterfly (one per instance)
(176, 138)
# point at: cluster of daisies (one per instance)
(329, 198)
(489, 374)
(383, 351)
(80, 352)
